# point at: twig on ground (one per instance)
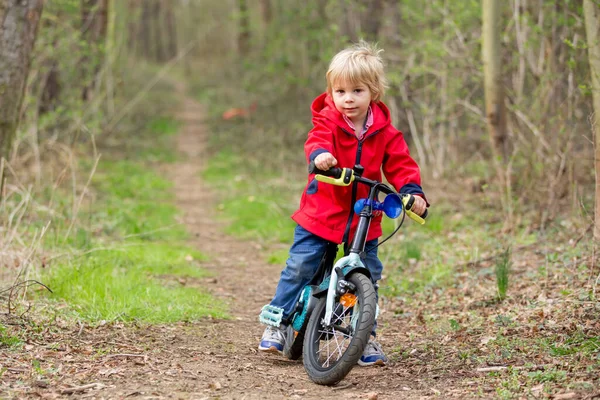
(504, 368)
(144, 356)
(342, 387)
(83, 388)
(14, 288)
(17, 369)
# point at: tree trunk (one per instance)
(592, 29)
(51, 89)
(494, 92)
(19, 21)
(94, 24)
(244, 32)
(348, 20)
(266, 12)
(170, 31)
(157, 34)
(133, 22)
(371, 19)
(145, 31)
(50, 81)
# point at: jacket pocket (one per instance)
(313, 186)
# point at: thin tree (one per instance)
(94, 25)
(244, 32)
(371, 19)
(592, 29)
(169, 29)
(266, 11)
(494, 92)
(19, 21)
(50, 80)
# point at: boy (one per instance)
(350, 126)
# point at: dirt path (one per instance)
(226, 360)
(210, 359)
(218, 359)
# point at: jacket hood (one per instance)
(324, 107)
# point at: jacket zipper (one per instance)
(354, 189)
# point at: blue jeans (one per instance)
(304, 258)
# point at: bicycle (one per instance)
(336, 311)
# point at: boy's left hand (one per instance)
(419, 206)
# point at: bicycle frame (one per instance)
(339, 304)
(352, 261)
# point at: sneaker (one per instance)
(372, 355)
(272, 340)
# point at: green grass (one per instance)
(252, 199)
(139, 282)
(502, 270)
(156, 145)
(578, 343)
(7, 339)
(128, 258)
(134, 200)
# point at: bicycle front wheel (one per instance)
(331, 352)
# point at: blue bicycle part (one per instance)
(392, 205)
(271, 315)
(305, 300)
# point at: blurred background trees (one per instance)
(271, 57)
(18, 31)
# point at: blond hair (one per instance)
(360, 63)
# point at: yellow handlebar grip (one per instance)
(415, 217)
(405, 200)
(326, 179)
(337, 181)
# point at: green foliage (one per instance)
(256, 208)
(66, 62)
(278, 257)
(144, 278)
(575, 344)
(7, 339)
(551, 375)
(123, 255)
(134, 282)
(135, 202)
(502, 271)
(155, 144)
(258, 217)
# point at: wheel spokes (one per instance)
(332, 341)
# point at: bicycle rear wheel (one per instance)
(294, 342)
(331, 352)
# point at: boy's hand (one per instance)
(324, 161)
(419, 206)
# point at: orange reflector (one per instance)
(348, 300)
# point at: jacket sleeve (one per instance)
(320, 140)
(400, 169)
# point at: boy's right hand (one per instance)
(324, 161)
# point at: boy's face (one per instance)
(352, 100)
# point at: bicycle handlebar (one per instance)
(345, 176)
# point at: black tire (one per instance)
(294, 342)
(318, 342)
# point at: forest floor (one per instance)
(218, 359)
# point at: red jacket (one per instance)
(324, 208)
